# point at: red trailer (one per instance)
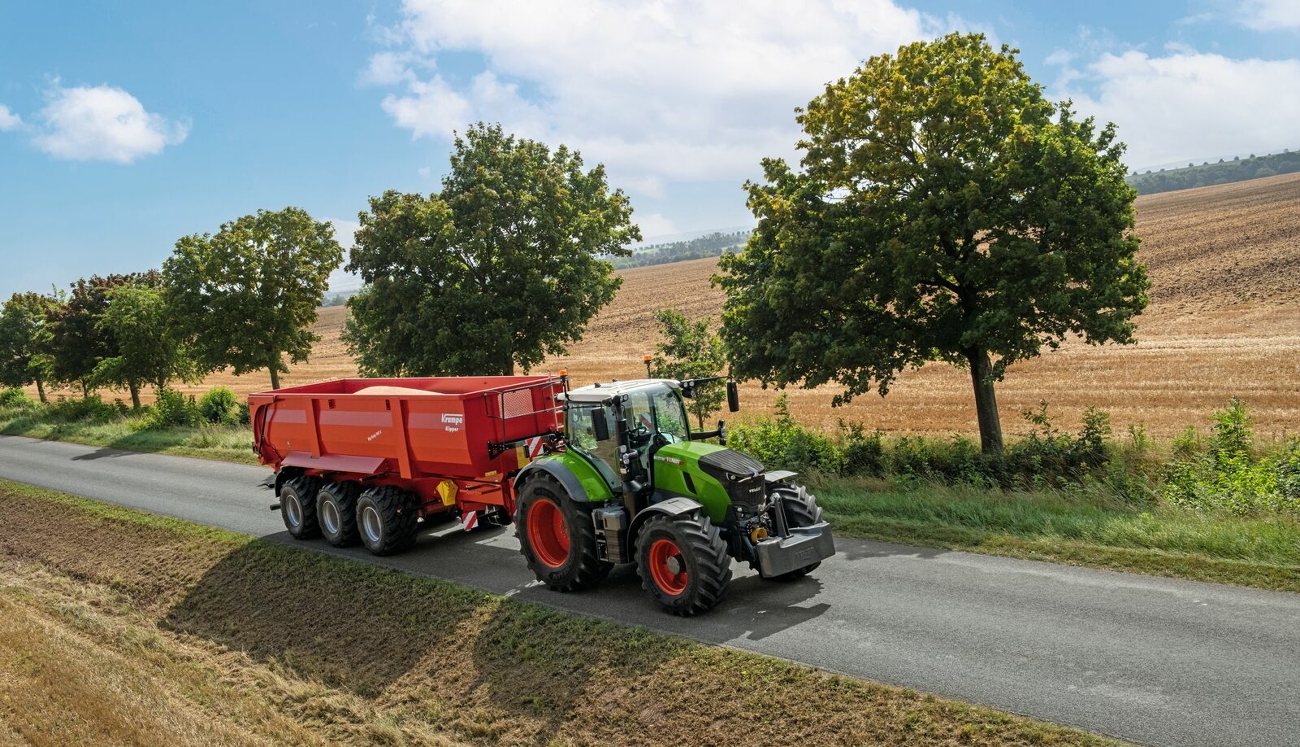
(368, 458)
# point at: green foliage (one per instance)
(88, 409)
(498, 269)
(172, 409)
(690, 351)
(14, 398)
(247, 296)
(1229, 476)
(781, 443)
(712, 245)
(78, 341)
(219, 406)
(148, 350)
(25, 341)
(945, 211)
(1218, 173)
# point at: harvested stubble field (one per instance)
(1224, 321)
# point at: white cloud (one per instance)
(103, 123)
(1187, 106)
(656, 89)
(1269, 15)
(9, 120)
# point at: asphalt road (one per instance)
(1155, 661)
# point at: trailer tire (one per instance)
(557, 537)
(298, 507)
(801, 510)
(683, 563)
(387, 519)
(336, 512)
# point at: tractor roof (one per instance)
(601, 392)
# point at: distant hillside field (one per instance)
(1210, 174)
(1224, 320)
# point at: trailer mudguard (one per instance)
(679, 506)
(583, 483)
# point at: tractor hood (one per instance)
(714, 475)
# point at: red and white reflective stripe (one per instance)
(470, 520)
(647, 422)
(533, 447)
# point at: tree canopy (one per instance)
(246, 296)
(690, 351)
(945, 210)
(25, 341)
(148, 351)
(497, 269)
(77, 342)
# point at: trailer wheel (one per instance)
(557, 538)
(683, 563)
(298, 507)
(336, 512)
(387, 519)
(801, 510)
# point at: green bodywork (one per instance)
(671, 464)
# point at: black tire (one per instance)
(387, 519)
(801, 510)
(336, 512)
(696, 572)
(298, 507)
(557, 537)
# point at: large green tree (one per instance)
(945, 210)
(77, 341)
(148, 350)
(246, 297)
(25, 341)
(498, 269)
(690, 351)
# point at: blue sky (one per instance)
(125, 125)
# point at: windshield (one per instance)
(658, 410)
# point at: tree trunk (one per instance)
(134, 386)
(986, 402)
(40, 391)
(275, 378)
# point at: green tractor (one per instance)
(633, 484)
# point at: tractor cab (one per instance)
(623, 423)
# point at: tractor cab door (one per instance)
(580, 433)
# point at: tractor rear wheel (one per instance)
(336, 511)
(298, 507)
(387, 519)
(801, 510)
(557, 537)
(683, 563)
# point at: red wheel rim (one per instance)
(664, 558)
(547, 533)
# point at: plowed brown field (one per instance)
(1224, 321)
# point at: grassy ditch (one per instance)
(123, 627)
(1262, 550)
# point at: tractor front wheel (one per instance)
(556, 537)
(683, 563)
(801, 510)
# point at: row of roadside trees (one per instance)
(943, 209)
(242, 298)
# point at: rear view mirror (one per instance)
(600, 426)
(733, 397)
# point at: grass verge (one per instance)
(225, 443)
(123, 627)
(1262, 552)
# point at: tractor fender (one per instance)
(677, 506)
(559, 472)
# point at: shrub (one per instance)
(781, 443)
(15, 398)
(218, 406)
(241, 413)
(89, 409)
(171, 410)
